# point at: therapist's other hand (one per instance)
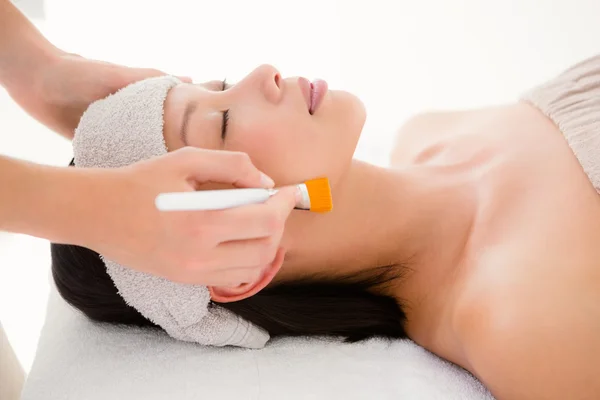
(63, 87)
(213, 248)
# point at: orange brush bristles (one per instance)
(320, 195)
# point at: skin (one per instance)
(489, 209)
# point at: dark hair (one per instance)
(317, 305)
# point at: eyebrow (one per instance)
(189, 110)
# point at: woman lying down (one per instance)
(481, 242)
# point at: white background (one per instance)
(400, 57)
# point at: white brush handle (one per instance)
(212, 199)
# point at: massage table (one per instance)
(83, 360)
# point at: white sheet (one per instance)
(77, 359)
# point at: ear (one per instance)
(228, 294)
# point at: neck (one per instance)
(380, 217)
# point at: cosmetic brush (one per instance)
(315, 196)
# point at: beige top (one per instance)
(572, 101)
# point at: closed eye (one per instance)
(225, 114)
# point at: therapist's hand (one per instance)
(61, 88)
(53, 86)
(213, 248)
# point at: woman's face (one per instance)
(270, 119)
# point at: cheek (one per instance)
(292, 148)
(275, 149)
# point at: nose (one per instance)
(268, 80)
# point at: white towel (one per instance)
(79, 359)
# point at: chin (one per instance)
(352, 116)
(353, 107)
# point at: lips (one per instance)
(319, 89)
(313, 93)
(306, 89)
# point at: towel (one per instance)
(124, 128)
(78, 359)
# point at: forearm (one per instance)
(23, 49)
(47, 202)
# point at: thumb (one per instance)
(131, 75)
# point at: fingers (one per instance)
(131, 75)
(233, 244)
(233, 277)
(220, 166)
(237, 276)
(242, 237)
(269, 223)
(244, 253)
(256, 220)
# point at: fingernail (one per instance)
(266, 181)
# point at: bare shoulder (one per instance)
(529, 316)
(540, 344)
